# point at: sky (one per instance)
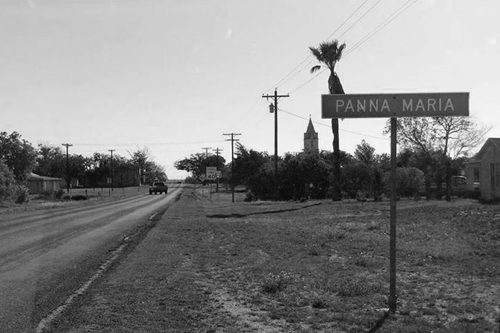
(175, 75)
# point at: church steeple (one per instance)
(311, 138)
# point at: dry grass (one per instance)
(298, 267)
(448, 272)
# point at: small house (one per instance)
(483, 170)
(39, 184)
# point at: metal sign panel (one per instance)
(395, 105)
(211, 172)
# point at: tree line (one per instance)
(19, 158)
(433, 150)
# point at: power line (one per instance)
(382, 25)
(295, 70)
(363, 40)
(147, 143)
(329, 126)
(308, 81)
(360, 18)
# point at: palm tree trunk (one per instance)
(335, 87)
(337, 193)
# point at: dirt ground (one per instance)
(210, 265)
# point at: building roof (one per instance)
(490, 141)
(34, 176)
(310, 127)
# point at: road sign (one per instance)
(395, 105)
(211, 172)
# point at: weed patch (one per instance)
(355, 286)
(274, 283)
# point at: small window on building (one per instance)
(476, 175)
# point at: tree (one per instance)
(371, 171)
(49, 161)
(196, 164)
(140, 158)
(365, 153)
(7, 182)
(246, 163)
(439, 140)
(18, 154)
(154, 172)
(328, 54)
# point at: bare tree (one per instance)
(450, 137)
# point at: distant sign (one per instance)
(211, 172)
(395, 105)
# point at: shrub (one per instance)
(319, 303)
(351, 286)
(356, 177)
(250, 197)
(7, 182)
(22, 194)
(59, 194)
(276, 282)
(314, 249)
(409, 182)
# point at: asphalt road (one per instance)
(45, 255)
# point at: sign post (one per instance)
(393, 106)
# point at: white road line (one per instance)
(45, 322)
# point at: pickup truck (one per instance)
(158, 187)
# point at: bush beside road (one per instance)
(319, 266)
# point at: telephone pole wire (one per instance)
(217, 151)
(274, 108)
(232, 159)
(68, 179)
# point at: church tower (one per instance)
(311, 139)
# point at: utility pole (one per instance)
(217, 151)
(274, 108)
(68, 179)
(206, 150)
(112, 171)
(232, 159)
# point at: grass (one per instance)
(338, 254)
(297, 267)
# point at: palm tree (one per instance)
(328, 53)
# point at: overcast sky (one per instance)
(175, 75)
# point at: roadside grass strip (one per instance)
(45, 324)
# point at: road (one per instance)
(45, 255)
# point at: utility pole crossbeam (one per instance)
(112, 171)
(68, 178)
(232, 159)
(217, 151)
(274, 108)
(206, 150)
